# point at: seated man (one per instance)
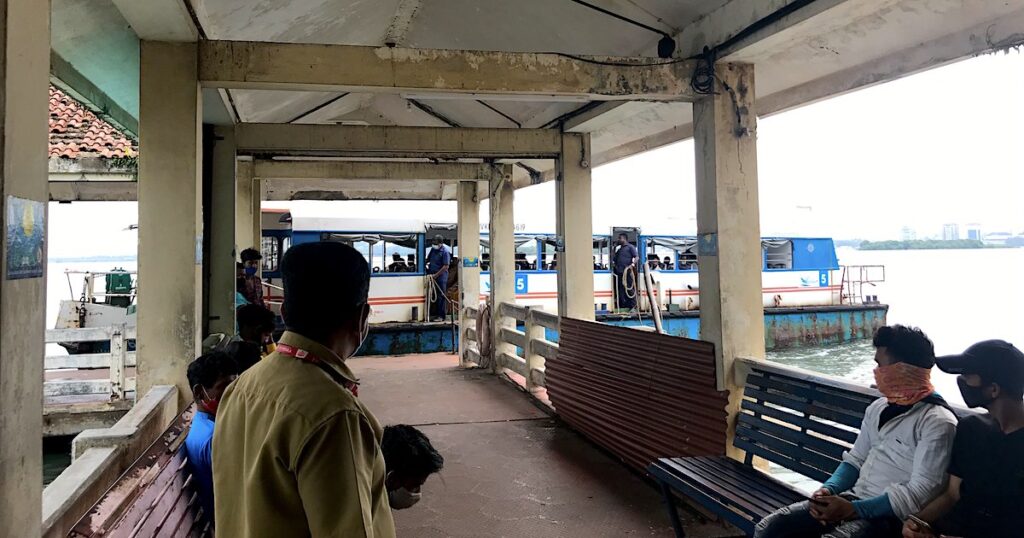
(256, 324)
(397, 264)
(410, 459)
(667, 264)
(652, 262)
(985, 496)
(208, 376)
(245, 354)
(898, 461)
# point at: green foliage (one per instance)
(922, 244)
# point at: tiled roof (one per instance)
(75, 132)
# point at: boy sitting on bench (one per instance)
(898, 462)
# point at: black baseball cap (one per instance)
(996, 361)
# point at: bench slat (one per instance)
(715, 505)
(766, 440)
(785, 461)
(817, 445)
(829, 430)
(831, 397)
(746, 479)
(783, 400)
(735, 498)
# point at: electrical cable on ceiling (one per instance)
(666, 45)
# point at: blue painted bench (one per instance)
(792, 418)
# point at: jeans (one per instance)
(795, 521)
(438, 308)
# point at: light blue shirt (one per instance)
(199, 449)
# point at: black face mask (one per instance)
(972, 395)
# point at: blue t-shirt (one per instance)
(624, 257)
(199, 448)
(437, 258)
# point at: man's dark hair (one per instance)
(254, 315)
(207, 369)
(245, 354)
(251, 254)
(325, 285)
(906, 344)
(408, 452)
(397, 257)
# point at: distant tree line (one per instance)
(922, 244)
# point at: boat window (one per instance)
(602, 249)
(526, 254)
(659, 256)
(269, 248)
(778, 253)
(680, 251)
(397, 256)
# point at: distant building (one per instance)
(997, 238)
(974, 232)
(908, 234)
(950, 232)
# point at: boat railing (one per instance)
(89, 293)
(858, 283)
(525, 351)
(118, 360)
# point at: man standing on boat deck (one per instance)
(438, 260)
(624, 267)
(295, 451)
(898, 461)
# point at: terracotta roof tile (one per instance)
(76, 132)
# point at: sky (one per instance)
(943, 146)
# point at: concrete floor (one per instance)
(510, 469)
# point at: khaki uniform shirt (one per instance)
(296, 454)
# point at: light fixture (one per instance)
(518, 97)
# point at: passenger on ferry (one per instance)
(985, 496)
(485, 261)
(256, 324)
(410, 460)
(438, 260)
(253, 290)
(624, 267)
(522, 264)
(208, 376)
(296, 453)
(410, 262)
(397, 264)
(898, 462)
(597, 266)
(652, 262)
(667, 264)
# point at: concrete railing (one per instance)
(531, 345)
(118, 360)
(100, 456)
(470, 334)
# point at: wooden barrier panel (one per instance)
(640, 395)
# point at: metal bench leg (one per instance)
(673, 513)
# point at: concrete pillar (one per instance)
(257, 213)
(24, 76)
(246, 199)
(575, 228)
(170, 215)
(222, 233)
(503, 263)
(728, 226)
(469, 249)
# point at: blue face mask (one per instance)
(250, 271)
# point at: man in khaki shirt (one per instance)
(295, 453)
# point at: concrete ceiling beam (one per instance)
(396, 142)
(259, 65)
(329, 189)
(93, 191)
(370, 170)
(159, 20)
(72, 82)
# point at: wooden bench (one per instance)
(154, 497)
(796, 419)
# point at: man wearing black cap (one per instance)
(985, 496)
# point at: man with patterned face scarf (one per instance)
(898, 462)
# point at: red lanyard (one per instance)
(306, 356)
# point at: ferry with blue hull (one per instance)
(809, 298)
